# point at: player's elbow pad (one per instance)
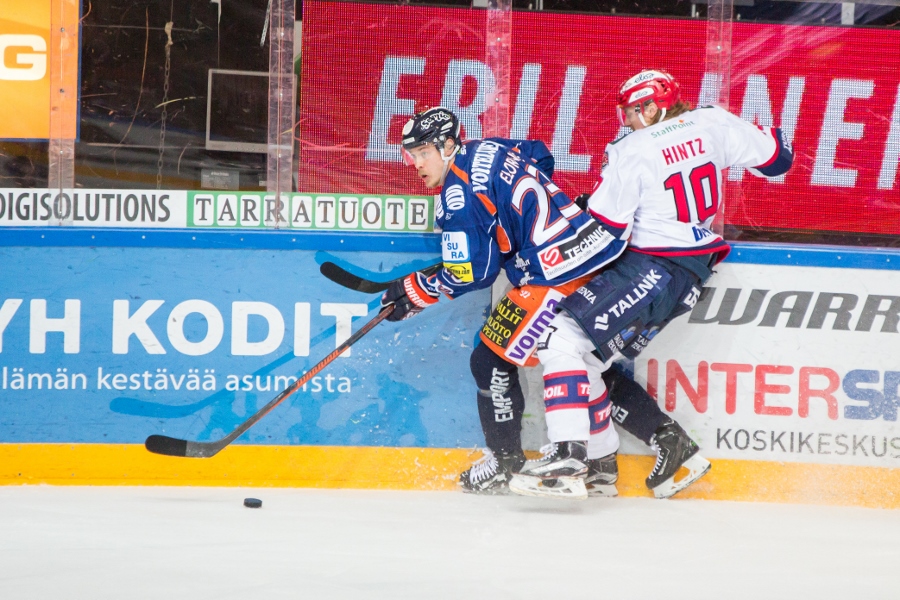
(781, 161)
(544, 159)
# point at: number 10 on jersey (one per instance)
(704, 193)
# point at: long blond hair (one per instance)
(679, 108)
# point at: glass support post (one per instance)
(720, 17)
(63, 72)
(279, 169)
(498, 57)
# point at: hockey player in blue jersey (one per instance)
(499, 210)
(661, 187)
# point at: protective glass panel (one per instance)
(174, 95)
(831, 85)
(196, 97)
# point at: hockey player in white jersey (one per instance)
(661, 186)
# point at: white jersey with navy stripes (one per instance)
(664, 182)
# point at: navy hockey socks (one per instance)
(501, 402)
(633, 408)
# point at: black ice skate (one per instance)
(490, 474)
(674, 449)
(559, 473)
(602, 476)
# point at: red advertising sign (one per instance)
(367, 68)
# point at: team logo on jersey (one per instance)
(455, 247)
(455, 197)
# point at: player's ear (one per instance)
(449, 145)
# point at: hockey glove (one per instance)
(582, 201)
(410, 296)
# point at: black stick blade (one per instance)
(347, 279)
(169, 446)
(351, 281)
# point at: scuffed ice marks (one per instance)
(389, 418)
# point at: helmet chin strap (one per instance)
(447, 160)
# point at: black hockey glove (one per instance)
(410, 296)
(582, 201)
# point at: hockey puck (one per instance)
(252, 503)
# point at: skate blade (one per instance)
(570, 488)
(500, 490)
(608, 490)
(697, 467)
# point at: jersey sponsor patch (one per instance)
(503, 322)
(455, 247)
(560, 390)
(526, 341)
(574, 251)
(461, 271)
(551, 256)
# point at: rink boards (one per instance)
(785, 372)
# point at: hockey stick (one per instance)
(169, 446)
(343, 277)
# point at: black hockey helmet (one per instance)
(433, 126)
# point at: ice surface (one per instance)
(127, 543)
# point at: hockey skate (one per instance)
(674, 450)
(559, 473)
(490, 474)
(602, 476)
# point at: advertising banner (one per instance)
(839, 108)
(110, 345)
(779, 363)
(177, 209)
(26, 57)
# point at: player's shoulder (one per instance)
(481, 154)
(485, 145)
(456, 198)
(712, 113)
(631, 143)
